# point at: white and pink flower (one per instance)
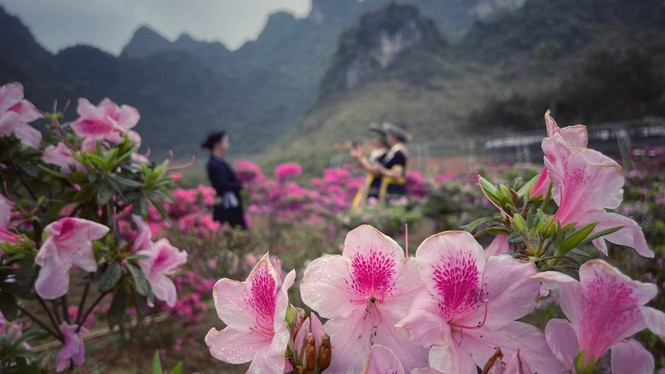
(604, 308)
(163, 261)
(69, 243)
(254, 312)
(74, 349)
(574, 135)
(364, 293)
(16, 113)
(470, 304)
(585, 184)
(105, 121)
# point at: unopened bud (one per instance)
(506, 196)
(585, 363)
(291, 316)
(546, 227)
(519, 224)
(310, 352)
(325, 353)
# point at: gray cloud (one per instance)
(109, 24)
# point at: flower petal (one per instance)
(53, 279)
(512, 338)
(427, 371)
(408, 285)
(144, 238)
(325, 287)
(611, 308)
(451, 266)
(28, 135)
(451, 358)
(233, 346)
(397, 339)
(9, 122)
(591, 181)
(631, 357)
(231, 305)
(569, 291)
(10, 95)
(350, 339)
(365, 237)
(164, 289)
(655, 321)
(630, 234)
(509, 292)
(498, 246)
(423, 323)
(517, 364)
(382, 360)
(575, 135)
(562, 340)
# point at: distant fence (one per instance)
(616, 139)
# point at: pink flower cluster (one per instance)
(16, 113)
(287, 170)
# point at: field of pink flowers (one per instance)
(110, 260)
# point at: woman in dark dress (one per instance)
(224, 181)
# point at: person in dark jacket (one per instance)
(224, 181)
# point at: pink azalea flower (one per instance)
(364, 293)
(69, 242)
(470, 305)
(254, 312)
(574, 135)
(603, 308)
(248, 171)
(290, 169)
(16, 113)
(61, 156)
(163, 260)
(586, 184)
(105, 121)
(74, 349)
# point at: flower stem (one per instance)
(90, 308)
(41, 324)
(65, 309)
(79, 313)
(48, 311)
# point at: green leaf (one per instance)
(27, 168)
(140, 281)
(116, 313)
(52, 172)
(126, 182)
(524, 191)
(471, 227)
(494, 230)
(600, 234)
(86, 193)
(576, 238)
(160, 208)
(156, 364)
(8, 305)
(177, 369)
(110, 277)
(104, 195)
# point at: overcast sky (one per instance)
(109, 24)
